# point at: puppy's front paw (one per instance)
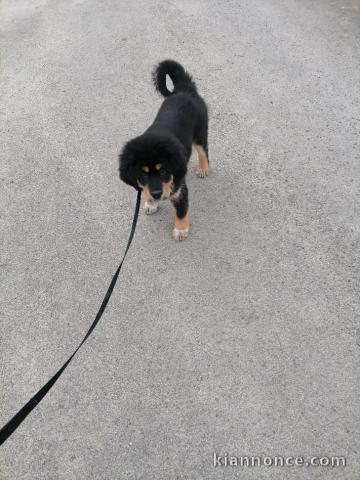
(150, 208)
(180, 235)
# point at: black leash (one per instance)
(20, 416)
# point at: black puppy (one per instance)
(156, 161)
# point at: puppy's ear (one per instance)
(127, 167)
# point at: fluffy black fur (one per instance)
(181, 122)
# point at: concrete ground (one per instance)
(245, 338)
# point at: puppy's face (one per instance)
(153, 163)
(155, 180)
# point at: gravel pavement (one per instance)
(244, 339)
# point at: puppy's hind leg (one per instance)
(202, 166)
(200, 143)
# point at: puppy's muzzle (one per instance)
(156, 194)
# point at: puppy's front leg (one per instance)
(150, 205)
(180, 201)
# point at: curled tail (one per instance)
(181, 79)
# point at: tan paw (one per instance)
(180, 235)
(150, 208)
(202, 172)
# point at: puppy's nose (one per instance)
(156, 194)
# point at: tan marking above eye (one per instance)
(158, 166)
(146, 169)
